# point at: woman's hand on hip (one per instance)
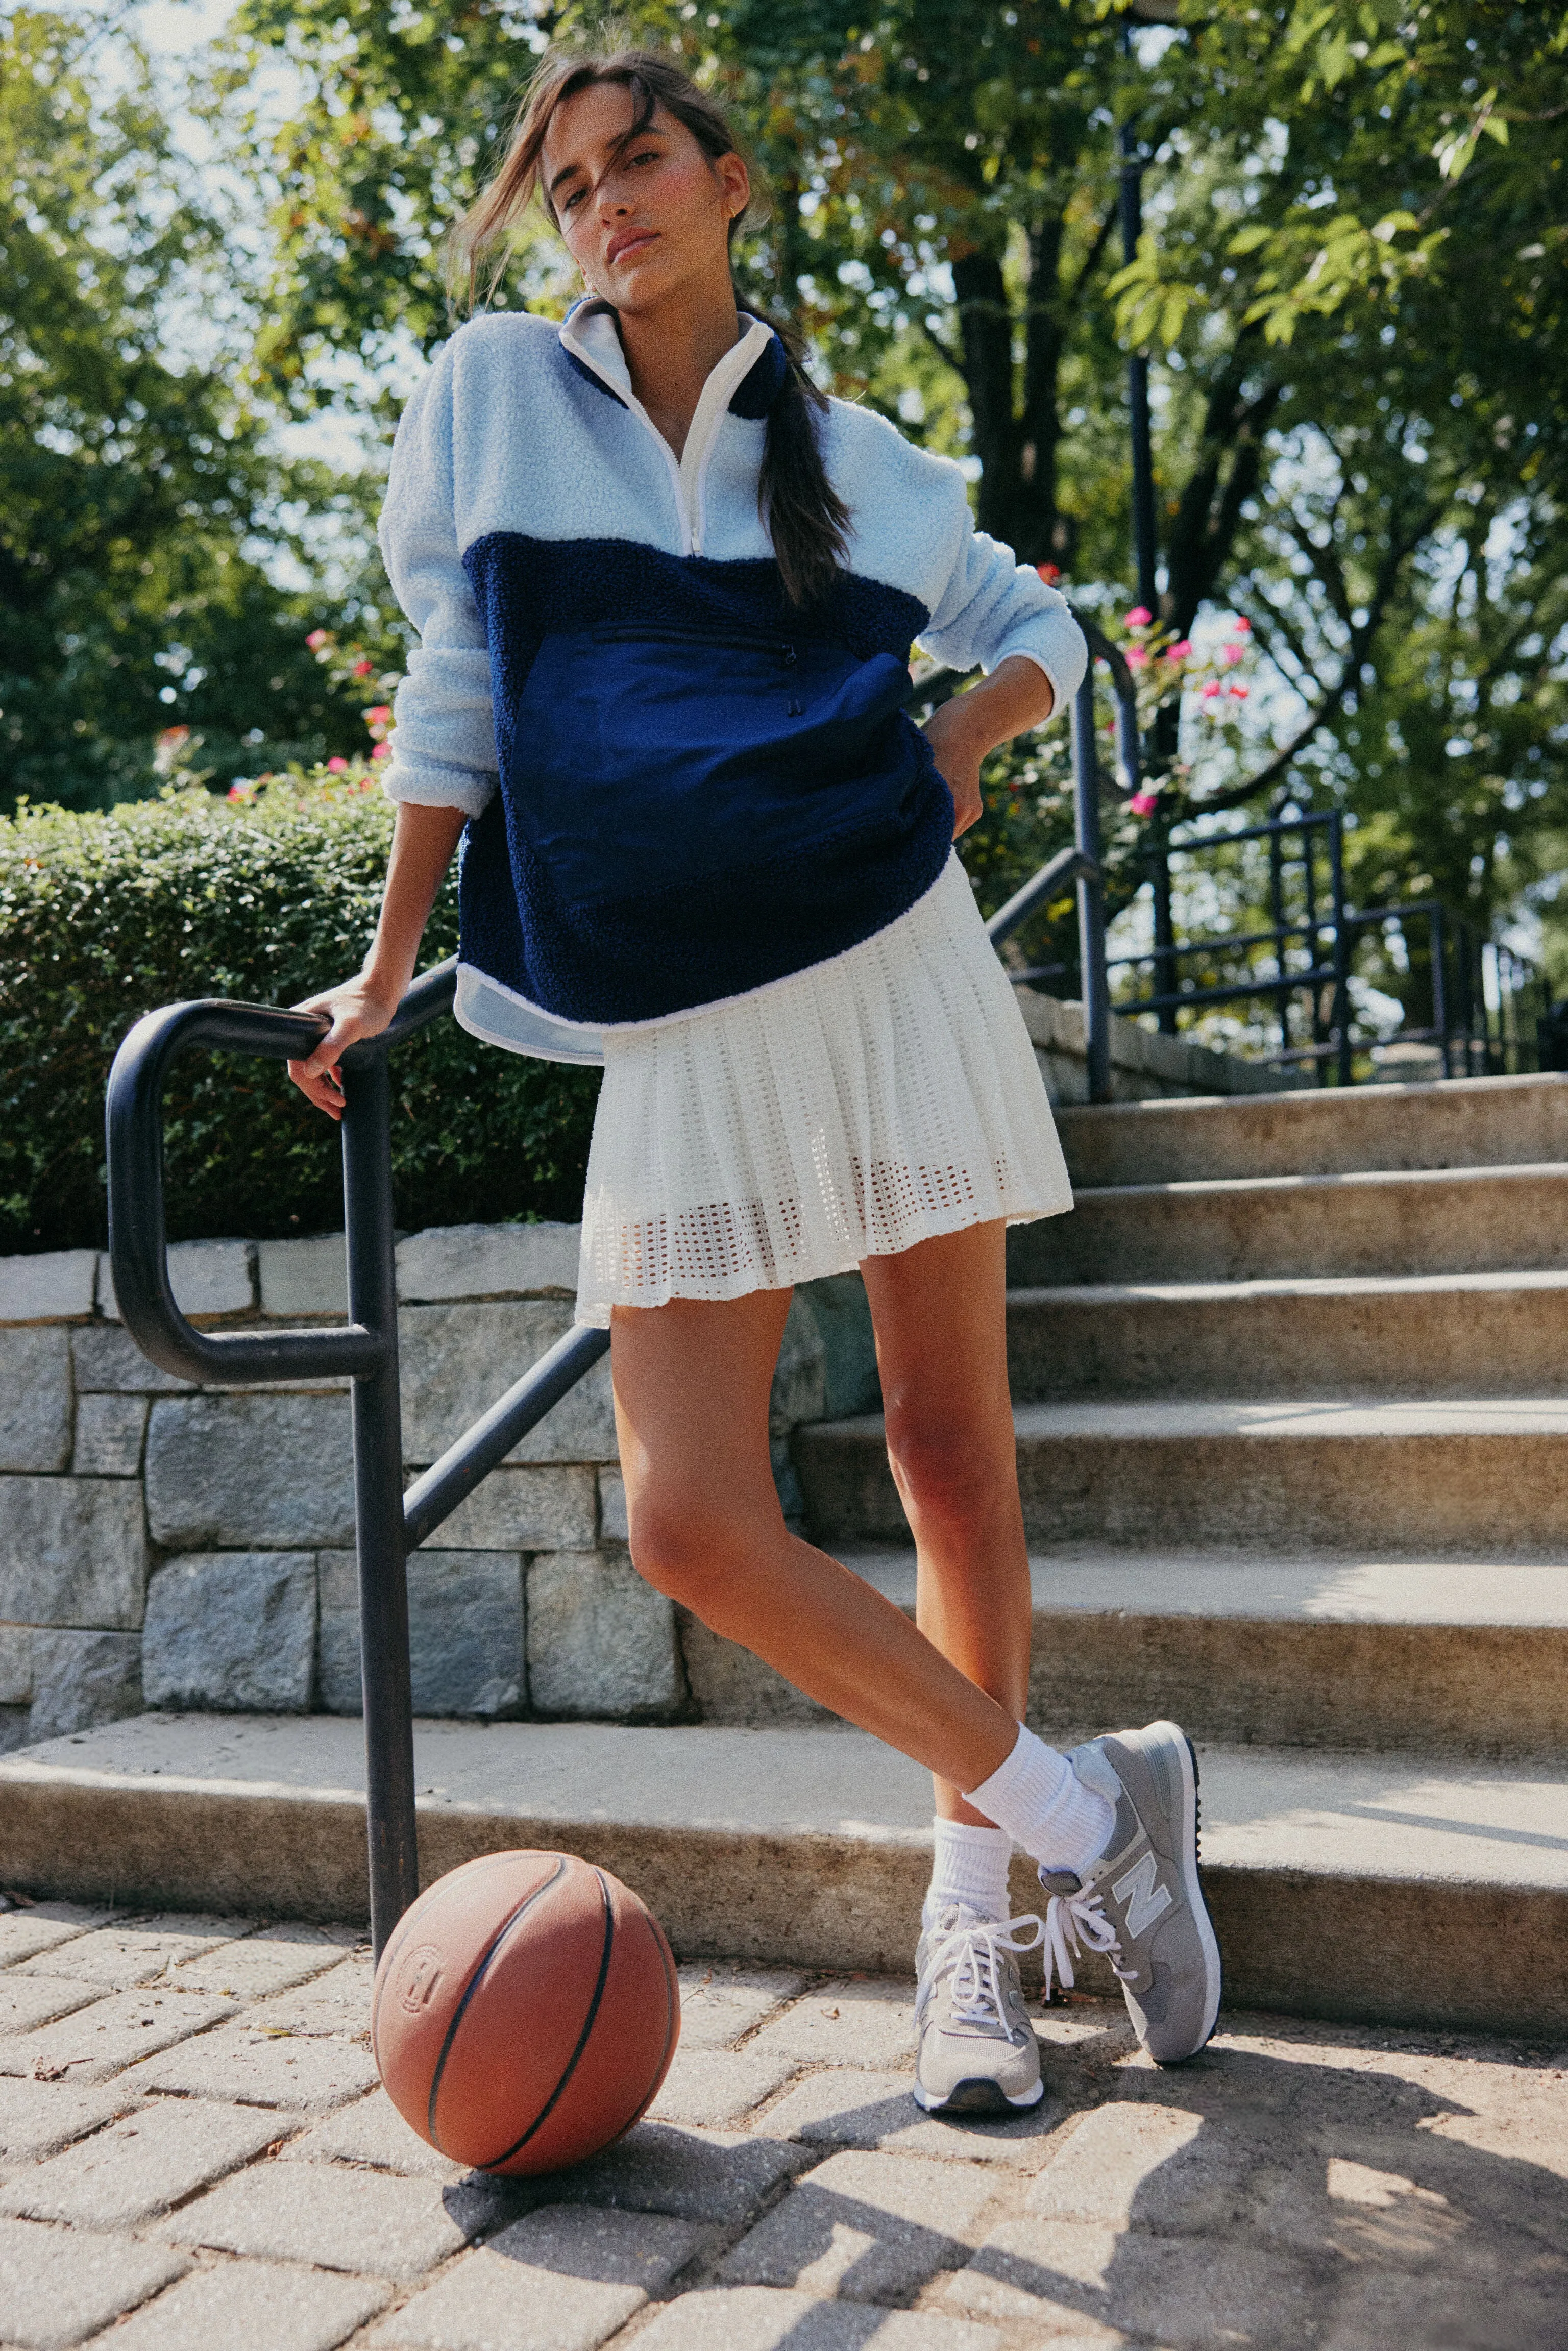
(358, 1009)
(957, 761)
(1016, 697)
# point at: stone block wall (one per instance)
(174, 1546)
(1145, 1065)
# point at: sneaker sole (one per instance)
(977, 2096)
(1183, 1755)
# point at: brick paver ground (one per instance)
(193, 2158)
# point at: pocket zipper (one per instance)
(666, 632)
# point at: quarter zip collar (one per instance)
(589, 336)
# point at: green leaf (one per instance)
(1248, 240)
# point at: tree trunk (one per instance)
(1017, 454)
(986, 328)
(1208, 512)
(1038, 534)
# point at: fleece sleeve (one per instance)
(993, 606)
(443, 738)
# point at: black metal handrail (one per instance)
(1461, 1028)
(1081, 863)
(388, 1523)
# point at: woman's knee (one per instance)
(949, 1464)
(688, 1546)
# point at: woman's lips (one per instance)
(633, 244)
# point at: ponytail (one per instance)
(805, 517)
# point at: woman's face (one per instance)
(659, 219)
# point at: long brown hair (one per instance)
(806, 519)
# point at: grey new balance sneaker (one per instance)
(977, 2053)
(1141, 1903)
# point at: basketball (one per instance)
(524, 2011)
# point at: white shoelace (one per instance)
(1079, 1919)
(972, 1950)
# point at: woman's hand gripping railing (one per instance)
(388, 1524)
(138, 1240)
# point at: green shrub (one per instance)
(104, 917)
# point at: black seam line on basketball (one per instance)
(474, 1981)
(544, 2112)
(671, 1993)
(671, 2018)
(667, 1976)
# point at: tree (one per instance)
(136, 486)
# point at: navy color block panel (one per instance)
(671, 951)
(664, 950)
(525, 586)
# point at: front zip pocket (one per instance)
(727, 639)
(650, 756)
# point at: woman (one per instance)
(665, 593)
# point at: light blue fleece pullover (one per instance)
(679, 788)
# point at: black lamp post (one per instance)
(1143, 11)
(1145, 543)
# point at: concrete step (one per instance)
(1462, 1658)
(1335, 1131)
(1453, 1335)
(1343, 1886)
(1276, 1227)
(1458, 1479)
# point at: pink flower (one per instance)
(1180, 650)
(378, 715)
(1139, 617)
(363, 668)
(317, 638)
(337, 767)
(1144, 803)
(1210, 689)
(1244, 626)
(381, 751)
(1049, 572)
(1239, 693)
(1231, 654)
(240, 790)
(1138, 656)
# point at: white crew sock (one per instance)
(1037, 1796)
(968, 1865)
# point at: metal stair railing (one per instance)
(390, 1523)
(1081, 862)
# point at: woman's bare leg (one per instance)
(692, 1384)
(940, 1315)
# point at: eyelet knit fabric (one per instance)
(848, 1110)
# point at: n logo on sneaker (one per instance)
(1144, 1894)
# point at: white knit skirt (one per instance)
(849, 1111)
